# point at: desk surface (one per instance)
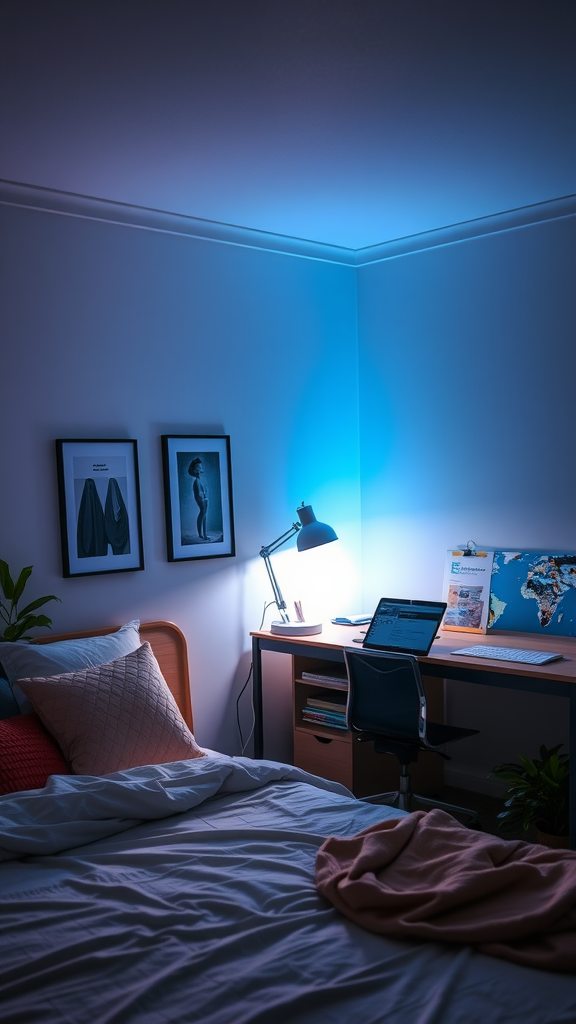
(336, 637)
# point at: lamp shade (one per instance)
(313, 533)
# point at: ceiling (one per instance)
(350, 122)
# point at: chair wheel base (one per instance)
(403, 802)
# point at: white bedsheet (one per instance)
(210, 914)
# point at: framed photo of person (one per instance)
(198, 496)
(99, 495)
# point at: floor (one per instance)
(487, 808)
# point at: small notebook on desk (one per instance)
(508, 654)
(351, 620)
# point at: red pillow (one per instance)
(28, 754)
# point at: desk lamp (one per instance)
(311, 534)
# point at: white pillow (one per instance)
(20, 660)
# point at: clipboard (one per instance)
(467, 577)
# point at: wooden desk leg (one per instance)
(572, 791)
(257, 698)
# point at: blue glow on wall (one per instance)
(466, 375)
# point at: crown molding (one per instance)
(509, 220)
(71, 204)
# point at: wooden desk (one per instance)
(558, 678)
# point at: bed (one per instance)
(184, 892)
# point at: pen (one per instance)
(299, 613)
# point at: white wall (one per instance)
(467, 431)
(111, 331)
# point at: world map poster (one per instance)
(533, 592)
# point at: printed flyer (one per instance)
(467, 590)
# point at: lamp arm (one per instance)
(269, 549)
(265, 552)
(278, 598)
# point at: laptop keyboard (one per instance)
(508, 654)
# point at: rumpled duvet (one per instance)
(426, 876)
(76, 809)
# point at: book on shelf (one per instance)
(336, 703)
(332, 716)
(333, 719)
(331, 682)
(336, 716)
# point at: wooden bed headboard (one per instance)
(169, 645)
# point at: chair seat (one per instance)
(406, 748)
(438, 735)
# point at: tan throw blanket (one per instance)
(425, 876)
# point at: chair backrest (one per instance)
(386, 694)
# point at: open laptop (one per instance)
(404, 627)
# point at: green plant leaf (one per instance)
(17, 622)
(538, 791)
(6, 581)
(547, 754)
(514, 819)
(17, 630)
(508, 771)
(13, 632)
(21, 583)
(514, 777)
(32, 621)
(37, 604)
(38, 620)
(529, 765)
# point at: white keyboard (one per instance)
(508, 654)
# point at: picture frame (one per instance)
(198, 496)
(99, 500)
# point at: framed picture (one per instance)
(99, 495)
(198, 493)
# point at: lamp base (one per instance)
(295, 628)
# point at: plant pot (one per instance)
(552, 842)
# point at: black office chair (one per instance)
(387, 705)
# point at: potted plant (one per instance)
(538, 795)
(18, 621)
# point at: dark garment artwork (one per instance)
(91, 532)
(99, 527)
(116, 520)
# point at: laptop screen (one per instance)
(404, 627)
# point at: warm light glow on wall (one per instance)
(325, 579)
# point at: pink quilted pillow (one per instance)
(110, 717)
(28, 755)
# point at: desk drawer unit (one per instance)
(329, 758)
